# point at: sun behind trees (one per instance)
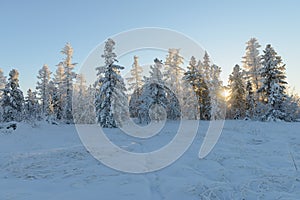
(256, 91)
(259, 92)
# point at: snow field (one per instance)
(252, 160)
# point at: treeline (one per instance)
(170, 92)
(52, 98)
(259, 90)
(256, 91)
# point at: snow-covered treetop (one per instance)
(173, 72)
(31, 96)
(44, 78)
(192, 71)
(59, 76)
(44, 73)
(236, 80)
(200, 67)
(80, 85)
(2, 80)
(206, 66)
(273, 70)
(270, 59)
(237, 70)
(174, 57)
(155, 72)
(14, 78)
(251, 62)
(193, 61)
(215, 74)
(206, 59)
(272, 64)
(252, 52)
(135, 81)
(68, 51)
(109, 56)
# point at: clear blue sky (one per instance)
(34, 31)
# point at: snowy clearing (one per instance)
(252, 160)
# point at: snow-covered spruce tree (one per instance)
(216, 94)
(192, 103)
(5, 104)
(69, 77)
(205, 69)
(79, 94)
(189, 107)
(82, 112)
(52, 108)
(2, 81)
(158, 102)
(135, 84)
(80, 87)
(153, 100)
(111, 102)
(204, 101)
(174, 72)
(2, 86)
(273, 85)
(153, 96)
(237, 98)
(90, 99)
(292, 107)
(250, 102)
(13, 99)
(31, 106)
(58, 92)
(43, 90)
(252, 66)
(135, 81)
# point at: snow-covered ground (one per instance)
(252, 160)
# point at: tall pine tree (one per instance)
(81, 98)
(237, 96)
(58, 92)
(31, 106)
(69, 78)
(111, 102)
(2, 86)
(44, 90)
(252, 66)
(173, 71)
(250, 101)
(205, 68)
(13, 99)
(157, 100)
(195, 79)
(135, 83)
(273, 85)
(2, 81)
(216, 94)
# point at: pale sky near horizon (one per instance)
(34, 31)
